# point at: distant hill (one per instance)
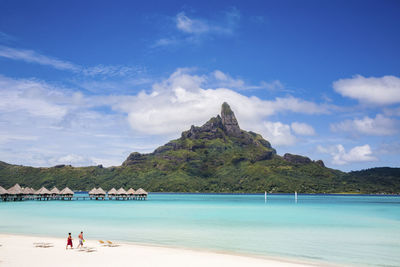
(216, 157)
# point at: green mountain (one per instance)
(216, 157)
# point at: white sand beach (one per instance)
(18, 250)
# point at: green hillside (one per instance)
(216, 157)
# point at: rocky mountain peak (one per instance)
(229, 121)
(220, 127)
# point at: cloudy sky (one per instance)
(88, 82)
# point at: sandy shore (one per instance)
(17, 250)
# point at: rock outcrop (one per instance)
(210, 130)
(134, 158)
(215, 127)
(296, 159)
(320, 163)
(229, 121)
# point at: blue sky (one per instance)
(88, 82)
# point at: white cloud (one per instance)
(111, 70)
(31, 56)
(392, 111)
(114, 86)
(185, 24)
(165, 42)
(302, 128)
(80, 160)
(341, 157)
(278, 134)
(203, 26)
(33, 97)
(34, 57)
(220, 79)
(380, 125)
(4, 37)
(381, 91)
(273, 86)
(389, 148)
(41, 124)
(194, 30)
(105, 161)
(70, 159)
(4, 138)
(180, 101)
(298, 105)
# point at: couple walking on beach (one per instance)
(69, 240)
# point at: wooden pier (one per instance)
(17, 193)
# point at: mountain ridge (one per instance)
(216, 157)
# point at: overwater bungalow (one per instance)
(112, 193)
(66, 194)
(43, 194)
(3, 194)
(32, 193)
(15, 193)
(121, 194)
(28, 193)
(100, 194)
(55, 193)
(92, 193)
(141, 194)
(131, 193)
(97, 194)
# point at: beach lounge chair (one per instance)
(111, 244)
(43, 245)
(90, 250)
(87, 249)
(102, 243)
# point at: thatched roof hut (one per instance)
(55, 191)
(121, 192)
(43, 191)
(100, 192)
(17, 186)
(93, 191)
(130, 192)
(3, 191)
(112, 192)
(27, 191)
(141, 192)
(66, 192)
(15, 190)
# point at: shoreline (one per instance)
(15, 245)
(261, 194)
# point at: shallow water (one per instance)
(351, 230)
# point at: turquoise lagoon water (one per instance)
(347, 230)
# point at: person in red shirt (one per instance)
(69, 241)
